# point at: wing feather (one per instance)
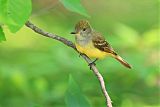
(100, 43)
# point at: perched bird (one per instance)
(93, 44)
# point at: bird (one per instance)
(93, 44)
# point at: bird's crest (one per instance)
(82, 24)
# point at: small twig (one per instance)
(87, 59)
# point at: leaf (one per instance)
(2, 35)
(14, 13)
(75, 6)
(74, 97)
(2, 10)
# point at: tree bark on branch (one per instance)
(86, 58)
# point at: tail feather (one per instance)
(118, 58)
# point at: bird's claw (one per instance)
(92, 63)
(80, 54)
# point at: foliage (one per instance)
(14, 13)
(75, 6)
(74, 96)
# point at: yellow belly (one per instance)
(91, 51)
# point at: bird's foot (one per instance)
(92, 63)
(80, 54)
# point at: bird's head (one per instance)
(83, 28)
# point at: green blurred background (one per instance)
(34, 70)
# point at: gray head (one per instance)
(83, 28)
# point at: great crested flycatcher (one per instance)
(93, 44)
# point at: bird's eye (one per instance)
(84, 29)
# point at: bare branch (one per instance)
(87, 59)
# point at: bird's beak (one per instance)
(73, 32)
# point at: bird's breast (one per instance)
(91, 51)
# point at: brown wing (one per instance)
(100, 43)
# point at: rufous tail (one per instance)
(122, 61)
